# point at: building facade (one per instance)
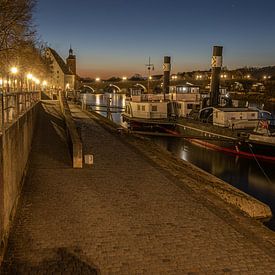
(63, 75)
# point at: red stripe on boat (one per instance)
(231, 151)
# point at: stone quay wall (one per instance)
(15, 141)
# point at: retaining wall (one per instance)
(15, 144)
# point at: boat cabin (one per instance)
(187, 92)
(187, 98)
(149, 109)
(137, 95)
(145, 106)
(235, 118)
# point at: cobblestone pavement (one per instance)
(122, 215)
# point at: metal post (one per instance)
(149, 67)
(215, 78)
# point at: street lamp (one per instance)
(29, 77)
(97, 79)
(124, 78)
(13, 71)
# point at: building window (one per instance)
(143, 108)
(138, 107)
(57, 71)
(154, 108)
(189, 106)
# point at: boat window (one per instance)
(143, 108)
(154, 108)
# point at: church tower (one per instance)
(71, 61)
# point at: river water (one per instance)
(254, 177)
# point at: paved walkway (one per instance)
(120, 216)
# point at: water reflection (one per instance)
(98, 103)
(252, 177)
(256, 179)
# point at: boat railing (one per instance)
(158, 115)
(147, 97)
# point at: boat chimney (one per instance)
(166, 74)
(215, 76)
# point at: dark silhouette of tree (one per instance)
(19, 45)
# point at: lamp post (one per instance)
(29, 78)
(149, 67)
(14, 71)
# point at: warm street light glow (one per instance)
(174, 77)
(44, 83)
(97, 79)
(37, 81)
(14, 70)
(150, 77)
(29, 76)
(124, 78)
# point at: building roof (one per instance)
(60, 62)
(236, 109)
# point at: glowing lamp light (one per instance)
(124, 78)
(97, 79)
(14, 70)
(29, 76)
(150, 77)
(44, 83)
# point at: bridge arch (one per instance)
(113, 85)
(89, 87)
(142, 86)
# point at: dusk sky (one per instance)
(116, 37)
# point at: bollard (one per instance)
(215, 77)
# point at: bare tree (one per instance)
(19, 45)
(15, 23)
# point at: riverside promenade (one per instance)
(122, 215)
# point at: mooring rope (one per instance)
(262, 169)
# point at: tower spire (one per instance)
(70, 50)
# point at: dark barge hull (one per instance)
(227, 141)
(208, 136)
(242, 149)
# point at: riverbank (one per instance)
(195, 178)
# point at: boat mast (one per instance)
(149, 67)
